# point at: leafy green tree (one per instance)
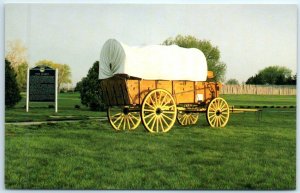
(273, 75)
(12, 92)
(78, 86)
(232, 81)
(89, 88)
(211, 53)
(292, 80)
(21, 71)
(256, 79)
(64, 71)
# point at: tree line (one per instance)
(271, 75)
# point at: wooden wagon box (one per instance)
(158, 103)
(119, 91)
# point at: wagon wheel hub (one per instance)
(218, 113)
(158, 111)
(126, 111)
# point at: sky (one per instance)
(249, 37)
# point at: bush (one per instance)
(12, 92)
(89, 88)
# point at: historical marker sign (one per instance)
(42, 85)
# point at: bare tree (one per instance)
(16, 53)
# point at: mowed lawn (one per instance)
(248, 154)
(40, 111)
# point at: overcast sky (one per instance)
(249, 37)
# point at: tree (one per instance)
(232, 81)
(292, 80)
(64, 71)
(78, 86)
(273, 75)
(211, 53)
(21, 77)
(90, 92)
(12, 92)
(256, 79)
(17, 56)
(16, 53)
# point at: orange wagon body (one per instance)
(158, 103)
(119, 91)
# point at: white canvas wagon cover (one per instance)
(153, 62)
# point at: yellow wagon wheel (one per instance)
(122, 119)
(217, 113)
(158, 111)
(187, 118)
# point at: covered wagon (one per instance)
(157, 85)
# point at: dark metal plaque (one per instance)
(42, 84)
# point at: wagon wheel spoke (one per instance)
(135, 116)
(150, 115)
(217, 113)
(163, 100)
(153, 103)
(153, 123)
(131, 120)
(122, 118)
(181, 118)
(117, 119)
(187, 118)
(120, 124)
(166, 103)
(160, 115)
(151, 106)
(116, 115)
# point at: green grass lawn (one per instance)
(39, 111)
(260, 100)
(247, 154)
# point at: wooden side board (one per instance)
(133, 91)
(115, 92)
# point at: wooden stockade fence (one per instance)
(259, 89)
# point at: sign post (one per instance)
(56, 88)
(27, 91)
(42, 85)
